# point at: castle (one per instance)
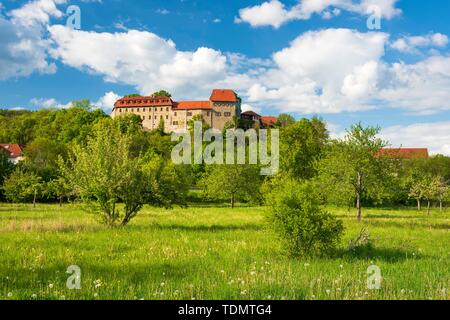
(223, 106)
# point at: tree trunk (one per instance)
(358, 206)
(60, 201)
(440, 205)
(34, 198)
(419, 206)
(358, 198)
(428, 207)
(232, 201)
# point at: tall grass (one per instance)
(214, 253)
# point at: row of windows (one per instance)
(154, 118)
(144, 109)
(189, 114)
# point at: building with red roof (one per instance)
(13, 151)
(223, 107)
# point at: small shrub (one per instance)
(362, 242)
(304, 227)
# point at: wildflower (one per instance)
(328, 291)
(269, 297)
(306, 265)
(9, 294)
(62, 298)
(33, 296)
(243, 292)
(222, 271)
(402, 291)
(162, 284)
(341, 266)
(95, 295)
(50, 285)
(253, 273)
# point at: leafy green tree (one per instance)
(295, 214)
(233, 182)
(162, 93)
(105, 173)
(82, 104)
(285, 120)
(23, 186)
(6, 168)
(352, 168)
(133, 95)
(301, 144)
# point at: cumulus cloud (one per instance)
(139, 58)
(107, 101)
(274, 13)
(24, 46)
(411, 44)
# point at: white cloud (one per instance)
(307, 78)
(107, 101)
(23, 47)
(139, 58)
(411, 44)
(274, 13)
(435, 136)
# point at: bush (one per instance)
(303, 226)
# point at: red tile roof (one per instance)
(250, 113)
(143, 102)
(14, 150)
(223, 95)
(405, 153)
(269, 120)
(185, 105)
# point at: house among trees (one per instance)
(13, 151)
(262, 121)
(223, 107)
(405, 153)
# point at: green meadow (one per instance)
(215, 253)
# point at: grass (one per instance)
(214, 253)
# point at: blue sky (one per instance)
(304, 57)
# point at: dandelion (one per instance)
(402, 291)
(95, 295)
(328, 291)
(306, 265)
(222, 271)
(243, 292)
(341, 266)
(33, 296)
(253, 273)
(62, 298)
(269, 297)
(50, 285)
(162, 284)
(9, 294)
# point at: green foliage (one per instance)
(303, 226)
(301, 144)
(285, 120)
(23, 186)
(232, 182)
(351, 168)
(106, 172)
(162, 93)
(84, 104)
(6, 168)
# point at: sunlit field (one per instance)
(215, 253)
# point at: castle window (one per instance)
(137, 110)
(189, 114)
(175, 123)
(167, 117)
(227, 114)
(167, 109)
(218, 114)
(207, 114)
(143, 110)
(161, 109)
(132, 110)
(175, 113)
(143, 117)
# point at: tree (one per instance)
(285, 120)
(301, 144)
(296, 216)
(82, 104)
(6, 168)
(417, 191)
(105, 172)
(132, 95)
(232, 181)
(23, 186)
(351, 167)
(162, 93)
